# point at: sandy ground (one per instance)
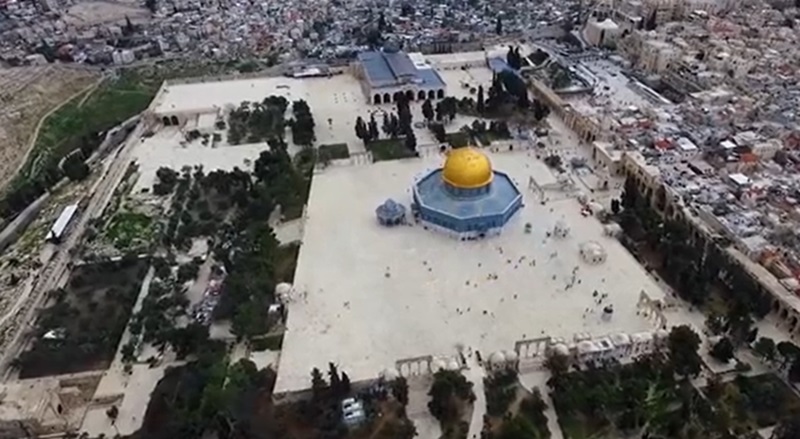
(369, 296)
(28, 94)
(164, 149)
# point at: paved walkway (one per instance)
(539, 379)
(475, 374)
(417, 409)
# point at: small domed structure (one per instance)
(438, 365)
(593, 253)
(561, 229)
(511, 356)
(283, 292)
(453, 365)
(390, 213)
(389, 374)
(561, 349)
(497, 358)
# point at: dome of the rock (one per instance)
(466, 197)
(467, 168)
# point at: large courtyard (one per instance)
(367, 296)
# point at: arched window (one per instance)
(377, 99)
(431, 94)
(410, 95)
(396, 96)
(174, 120)
(386, 98)
(421, 95)
(165, 121)
(440, 94)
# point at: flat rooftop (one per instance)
(368, 296)
(613, 90)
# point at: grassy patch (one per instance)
(114, 101)
(334, 151)
(128, 229)
(754, 402)
(81, 330)
(286, 262)
(268, 343)
(619, 400)
(389, 149)
(458, 140)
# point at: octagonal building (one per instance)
(466, 198)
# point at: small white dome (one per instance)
(662, 334)
(561, 349)
(620, 339)
(389, 374)
(453, 365)
(585, 346)
(497, 358)
(283, 288)
(511, 356)
(438, 365)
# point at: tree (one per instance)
(715, 323)
(75, 168)
(403, 114)
(715, 388)
(765, 348)
(167, 179)
(345, 384)
(318, 384)
(394, 124)
(335, 380)
(189, 339)
(151, 5)
(557, 364)
(448, 387)
(411, 141)
(381, 22)
(615, 206)
(400, 390)
(481, 105)
(128, 352)
(128, 29)
(789, 428)
(683, 344)
(427, 110)
(362, 132)
(788, 352)
(386, 125)
(373, 129)
(112, 413)
(794, 371)
(498, 26)
(513, 58)
(722, 350)
(651, 21)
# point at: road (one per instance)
(51, 275)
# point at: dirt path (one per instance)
(35, 135)
(89, 90)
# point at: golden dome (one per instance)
(467, 168)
